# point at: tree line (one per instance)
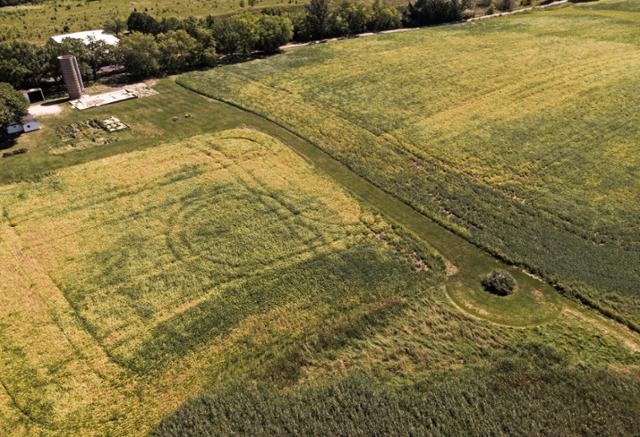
(151, 47)
(17, 2)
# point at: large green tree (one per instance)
(13, 106)
(273, 31)
(179, 51)
(140, 55)
(424, 12)
(237, 35)
(101, 55)
(317, 17)
(69, 46)
(351, 18)
(384, 17)
(22, 64)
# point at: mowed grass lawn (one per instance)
(521, 133)
(172, 114)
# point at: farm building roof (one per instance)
(87, 36)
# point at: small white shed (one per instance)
(28, 124)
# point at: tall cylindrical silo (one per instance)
(71, 76)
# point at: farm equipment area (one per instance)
(88, 133)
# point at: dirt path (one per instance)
(622, 333)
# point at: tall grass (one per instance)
(533, 392)
(518, 133)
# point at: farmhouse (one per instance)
(88, 36)
(28, 124)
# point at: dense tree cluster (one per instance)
(425, 12)
(322, 20)
(13, 106)
(170, 45)
(17, 2)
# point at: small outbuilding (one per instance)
(28, 124)
(33, 95)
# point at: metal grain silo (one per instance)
(71, 76)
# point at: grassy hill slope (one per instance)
(521, 133)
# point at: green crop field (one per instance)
(520, 133)
(137, 275)
(296, 245)
(38, 22)
(125, 275)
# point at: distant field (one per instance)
(40, 21)
(520, 133)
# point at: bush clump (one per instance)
(506, 5)
(499, 282)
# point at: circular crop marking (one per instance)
(234, 231)
(527, 307)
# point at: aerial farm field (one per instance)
(38, 22)
(219, 262)
(296, 245)
(518, 133)
(152, 271)
(133, 283)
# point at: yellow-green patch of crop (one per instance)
(522, 131)
(132, 282)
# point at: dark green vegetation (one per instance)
(168, 45)
(517, 133)
(499, 282)
(12, 107)
(532, 391)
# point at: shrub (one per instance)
(425, 12)
(12, 106)
(499, 282)
(506, 5)
(491, 9)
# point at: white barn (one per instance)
(88, 36)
